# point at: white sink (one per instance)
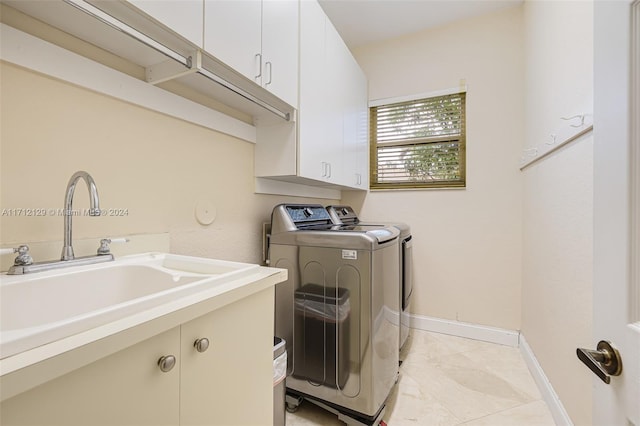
(40, 308)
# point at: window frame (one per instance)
(461, 140)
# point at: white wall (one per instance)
(558, 199)
(467, 243)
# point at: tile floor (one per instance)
(447, 380)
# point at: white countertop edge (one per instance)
(28, 369)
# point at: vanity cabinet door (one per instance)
(126, 388)
(231, 382)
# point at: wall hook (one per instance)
(580, 116)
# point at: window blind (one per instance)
(419, 143)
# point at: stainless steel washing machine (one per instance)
(347, 216)
(335, 311)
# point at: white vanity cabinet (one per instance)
(126, 388)
(231, 382)
(259, 39)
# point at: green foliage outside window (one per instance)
(419, 144)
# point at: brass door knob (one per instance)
(605, 361)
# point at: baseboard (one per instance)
(484, 333)
(549, 395)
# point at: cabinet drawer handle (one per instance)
(166, 363)
(201, 345)
(269, 65)
(258, 59)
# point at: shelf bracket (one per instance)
(170, 69)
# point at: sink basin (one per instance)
(47, 300)
(40, 308)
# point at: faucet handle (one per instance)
(104, 244)
(23, 258)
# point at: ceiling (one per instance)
(362, 22)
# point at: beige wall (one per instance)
(467, 243)
(558, 199)
(155, 166)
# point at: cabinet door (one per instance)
(362, 130)
(126, 388)
(185, 17)
(313, 149)
(280, 49)
(233, 34)
(357, 121)
(231, 383)
(336, 68)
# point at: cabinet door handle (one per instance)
(269, 67)
(329, 168)
(324, 168)
(166, 363)
(201, 345)
(258, 59)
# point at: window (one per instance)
(419, 144)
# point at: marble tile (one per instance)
(533, 414)
(408, 404)
(448, 380)
(469, 391)
(309, 414)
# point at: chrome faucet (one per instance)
(94, 209)
(24, 262)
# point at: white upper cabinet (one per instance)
(331, 143)
(185, 17)
(314, 114)
(358, 125)
(280, 49)
(333, 90)
(259, 39)
(233, 34)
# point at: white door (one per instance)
(616, 206)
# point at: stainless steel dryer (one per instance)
(347, 216)
(335, 311)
